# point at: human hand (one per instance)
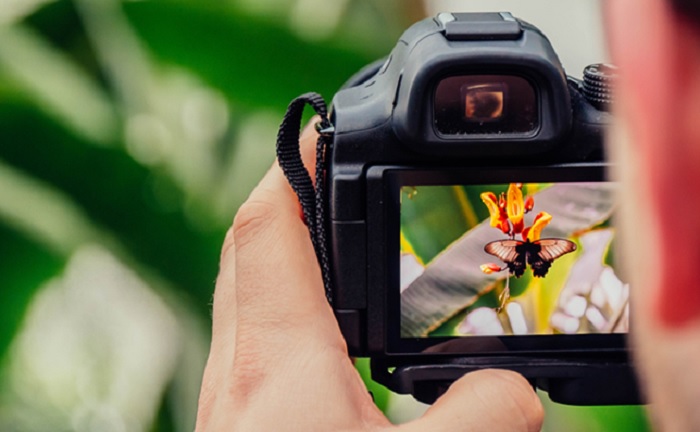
(278, 360)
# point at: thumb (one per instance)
(488, 400)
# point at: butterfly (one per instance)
(539, 254)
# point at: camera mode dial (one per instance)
(599, 82)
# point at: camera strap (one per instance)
(311, 198)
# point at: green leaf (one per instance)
(117, 194)
(255, 62)
(380, 394)
(594, 419)
(24, 267)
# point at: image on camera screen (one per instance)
(509, 259)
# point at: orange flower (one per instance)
(508, 209)
(498, 217)
(515, 207)
(533, 233)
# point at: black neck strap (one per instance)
(312, 199)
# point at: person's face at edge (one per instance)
(656, 144)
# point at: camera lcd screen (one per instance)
(485, 104)
(509, 259)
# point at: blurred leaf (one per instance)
(254, 62)
(59, 23)
(594, 418)
(449, 327)
(165, 417)
(24, 267)
(57, 84)
(117, 193)
(380, 394)
(96, 336)
(430, 207)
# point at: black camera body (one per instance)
(465, 99)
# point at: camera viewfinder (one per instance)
(484, 105)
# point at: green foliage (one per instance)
(19, 281)
(594, 419)
(75, 79)
(115, 192)
(239, 55)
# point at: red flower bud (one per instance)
(529, 203)
(490, 268)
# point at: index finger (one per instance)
(278, 280)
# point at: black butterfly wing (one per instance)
(510, 252)
(542, 253)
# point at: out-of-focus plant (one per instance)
(129, 134)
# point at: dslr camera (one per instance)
(468, 214)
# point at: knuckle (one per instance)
(228, 244)
(534, 415)
(253, 218)
(250, 368)
(513, 393)
(521, 399)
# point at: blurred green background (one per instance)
(130, 131)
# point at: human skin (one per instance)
(656, 144)
(278, 360)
